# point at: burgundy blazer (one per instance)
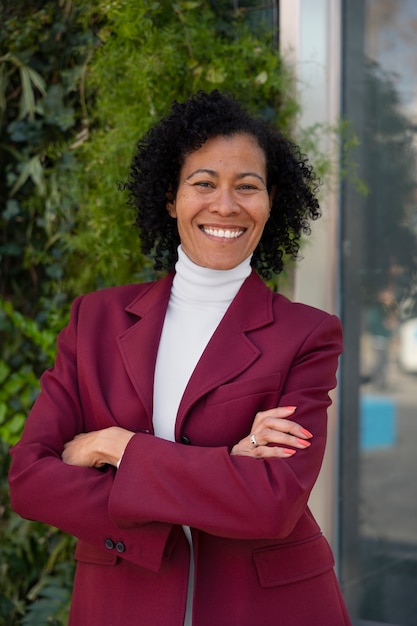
(260, 558)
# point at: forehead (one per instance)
(240, 150)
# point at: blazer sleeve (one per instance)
(73, 499)
(235, 496)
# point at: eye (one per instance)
(247, 187)
(204, 184)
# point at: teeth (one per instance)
(221, 233)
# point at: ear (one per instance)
(171, 204)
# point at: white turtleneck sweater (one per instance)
(199, 299)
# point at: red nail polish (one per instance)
(307, 433)
(290, 408)
(288, 452)
(303, 442)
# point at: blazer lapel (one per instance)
(139, 343)
(230, 350)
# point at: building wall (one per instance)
(310, 42)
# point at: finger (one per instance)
(280, 412)
(286, 426)
(262, 452)
(255, 447)
(271, 436)
(276, 430)
(265, 452)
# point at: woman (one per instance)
(158, 429)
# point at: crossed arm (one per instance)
(106, 446)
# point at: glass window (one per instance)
(378, 515)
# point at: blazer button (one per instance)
(120, 547)
(185, 440)
(109, 543)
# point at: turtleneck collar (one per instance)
(193, 283)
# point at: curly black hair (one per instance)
(156, 166)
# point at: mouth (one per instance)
(223, 233)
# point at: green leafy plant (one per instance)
(35, 560)
(19, 386)
(41, 116)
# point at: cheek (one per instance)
(262, 221)
(184, 227)
(259, 231)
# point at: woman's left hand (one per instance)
(97, 448)
(270, 435)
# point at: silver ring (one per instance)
(253, 441)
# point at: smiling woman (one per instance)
(222, 202)
(272, 164)
(162, 438)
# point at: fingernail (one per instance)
(305, 432)
(288, 452)
(303, 442)
(290, 408)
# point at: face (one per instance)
(222, 203)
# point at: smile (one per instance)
(222, 233)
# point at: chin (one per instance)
(223, 265)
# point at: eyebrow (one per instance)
(215, 174)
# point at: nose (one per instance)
(224, 202)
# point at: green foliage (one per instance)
(28, 351)
(43, 51)
(41, 115)
(35, 561)
(149, 55)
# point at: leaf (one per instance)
(215, 75)
(27, 100)
(4, 371)
(15, 425)
(12, 210)
(261, 78)
(190, 5)
(55, 110)
(31, 169)
(44, 339)
(3, 412)
(37, 80)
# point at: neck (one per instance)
(203, 284)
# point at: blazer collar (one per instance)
(229, 352)
(138, 344)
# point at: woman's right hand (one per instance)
(273, 427)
